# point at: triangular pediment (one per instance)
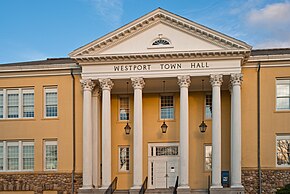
(157, 32)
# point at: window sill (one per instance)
(281, 111)
(17, 119)
(50, 118)
(166, 120)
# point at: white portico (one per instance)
(158, 46)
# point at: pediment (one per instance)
(158, 32)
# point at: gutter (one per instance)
(259, 125)
(74, 132)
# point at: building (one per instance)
(62, 120)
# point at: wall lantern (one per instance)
(202, 126)
(127, 127)
(164, 126)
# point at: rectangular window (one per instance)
(283, 94)
(13, 103)
(50, 102)
(1, 104)
(208, 106)
(50, 155)
(1, 156)
(28, 103)
(28, 156)
(124, 158)
(124, 108)
(283, 150)
(167, 107)
(12, 156)
(207, 157)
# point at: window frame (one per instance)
(276, 94)
(205, 157)
(119, 108)
(2, 102)
(160, 107)
(53, 89)
(45, 143)
(205, 116)
(119, 158)
(281, 137)
(27, 91)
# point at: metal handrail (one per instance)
(176, 185)
(144, 186)
(112, 187)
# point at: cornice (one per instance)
(152, 18)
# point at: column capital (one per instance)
(138, 82)
(106, 83)
(183, 81)
(97, 91)
(88, 84)
(236, 79)
(216, 79)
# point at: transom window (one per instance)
(17, 103)
(283, 150)
(208, 106)
(207, 157)
(51, 102)
(124, 108)
(167, 107)
(50, 155)
(160, 42)
(283, 94)
(16, 155)
(124, 158)
(164, 149)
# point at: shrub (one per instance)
(285, 190)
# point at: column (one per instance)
(138, 84)
(236, 80)
(87, 86)
(184, 83)
(106, 85)
(96, 136)
(216, 81)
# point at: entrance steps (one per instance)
(148, 191)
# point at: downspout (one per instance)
(74, 132)
(259, 127)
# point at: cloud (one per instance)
(111, 11)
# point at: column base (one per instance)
(227, 190)
(135, 190)
(237, 186)
(183, 189)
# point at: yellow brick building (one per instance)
(161, 99)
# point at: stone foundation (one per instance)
(39, 182)
(271, 180)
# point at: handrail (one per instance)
(176, 185)
(112, 187)
(144, 186)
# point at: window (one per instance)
(1, 104)
(283, 150)
(207, 157)
(167, 107)
(13, 103)
(208, 106)
(160, 42)
(166, 150)
(124, 108)
(28, 103)
(50, 155)
(50, 102)
(124, 158)
(16, 155)
(283, 94)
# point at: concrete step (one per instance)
(159, 191)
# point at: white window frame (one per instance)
(119, 158)
(205, 157)
(19, 91)
(20, 144)
(119, 107)
(276, 92)
(50, 142)
(205, 116)
(160, 106)
(46, 90)
(281, 137)
(2, 102)
(27, 91)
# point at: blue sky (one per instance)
(40, 29)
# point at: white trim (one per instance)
(48, 89)
(174, 107)
(119, 108)
(119, 154)
(281, 137)
(45, 143)
(276, 97)
(204, 156)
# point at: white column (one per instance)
(236, 80)
(106, 85)
(216, 81)
(138, 84)
(184, 83)
(96, 136)
(88, 86)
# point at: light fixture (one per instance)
(164, 126)
(127, 128)
(202, 126)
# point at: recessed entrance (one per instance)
(163, 164)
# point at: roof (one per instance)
(43, 62)
(271, 51)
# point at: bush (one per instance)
(285, 190)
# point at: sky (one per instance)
(39, 29)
